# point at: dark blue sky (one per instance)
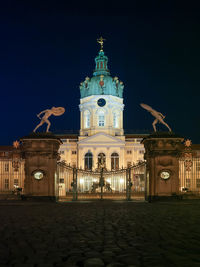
(48, 48)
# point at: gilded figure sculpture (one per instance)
(100, 41)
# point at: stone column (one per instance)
(162, 151)
(40, 151)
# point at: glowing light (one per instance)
(108, 180)
(121, 181)
(81, 181)
(95, 180)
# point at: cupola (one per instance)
(101, 83)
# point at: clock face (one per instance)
(38, 175)
(165, 175)
(101, 102)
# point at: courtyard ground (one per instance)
(100, 234)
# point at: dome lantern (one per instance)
(101, 61)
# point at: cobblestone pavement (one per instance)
(100, 234)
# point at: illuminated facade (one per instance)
(101, 124)
(101, 135)
(11, 170)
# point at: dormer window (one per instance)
(101, 119)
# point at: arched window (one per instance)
(101, 160)
(88, 161)
(101, 118)
(87, 119)
(115, 120)
(114, 161)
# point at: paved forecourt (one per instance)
(100, 234)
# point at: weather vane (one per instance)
(100, 41)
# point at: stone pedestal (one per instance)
(162, 151)
(41, 153)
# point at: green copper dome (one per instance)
(101, 83)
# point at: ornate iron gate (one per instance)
(77, 184)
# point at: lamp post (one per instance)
(74, 184)
(128, 184)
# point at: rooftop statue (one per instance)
(47, 113)
(159, 116)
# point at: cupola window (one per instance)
(115, 121)
(101, 119)
(87, 119)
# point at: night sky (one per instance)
(48, 48)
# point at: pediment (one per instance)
(101, 138)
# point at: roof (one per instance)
(67, 136)
(6, 148)
(136, 135)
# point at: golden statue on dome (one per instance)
(100, 41)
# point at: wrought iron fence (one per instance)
(189, 176)
(80, 184)
(11, 175)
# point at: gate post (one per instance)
(40, 151)
(162, 151)
(128, 184)
(75, 197)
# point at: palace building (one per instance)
(101, 132)
(101, 124)
(101, 141)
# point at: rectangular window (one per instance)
(129, 151)
(62, 152)
(88, 121)
(73, 152)
(6, 167)
(6, 183)
(115, 120)
(141, 151)
(101, 120)
(16, 182)
(61, 181)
